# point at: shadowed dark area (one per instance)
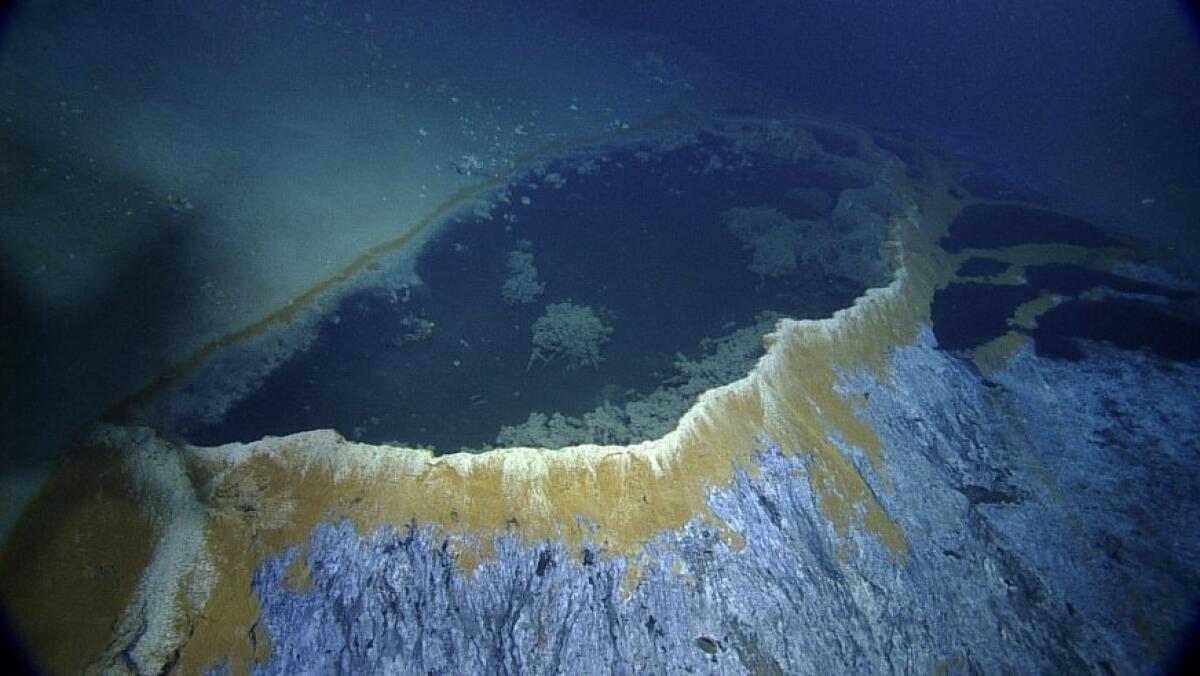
(967, 315)
(1072, 279)
(970, 314)
(62, 367)
(17, 660)
(991, 226)
(1129, 326)
(1185, 656)
(992, 186)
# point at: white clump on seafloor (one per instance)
(649, 416)
(844, 244)
(774, 240)
(572, 333)
(522, 285)
(412, 329)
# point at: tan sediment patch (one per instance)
(612, 499)
(1033, 254)
(994, 354)
(1026, 314)
(73, 563)
(258, 499)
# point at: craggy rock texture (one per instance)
(1024, 555)
(861, 501)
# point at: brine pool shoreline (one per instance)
(835, 395)
(234, 368)
(414, 346)
(331, 352)
(287, 325)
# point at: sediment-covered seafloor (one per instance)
(1004, 571)
(863, 500)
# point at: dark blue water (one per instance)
(969, 314)
(989, 226)
(966, 315)
(1023, 78)
(1129, 326)
(638, 241)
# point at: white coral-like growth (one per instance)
(522, 285)
(571, 332)
(845, 244)
(773, 239)
(649, 416)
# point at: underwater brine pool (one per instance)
(590, 300)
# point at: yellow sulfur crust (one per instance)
(256, 500)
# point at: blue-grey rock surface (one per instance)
(1049, 511)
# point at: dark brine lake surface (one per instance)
(633, 234)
